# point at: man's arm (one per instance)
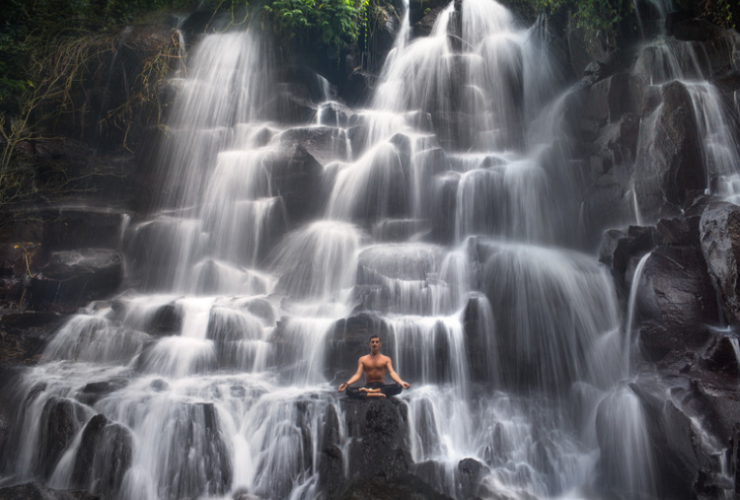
(395, 376)
(355, 377)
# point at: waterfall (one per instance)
(446, 212)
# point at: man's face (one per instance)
(375, 345)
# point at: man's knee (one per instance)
(392, 389)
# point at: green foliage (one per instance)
(724, 13)
(334, 22)
(597, 17)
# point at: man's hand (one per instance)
(405, 385)
(342, 387)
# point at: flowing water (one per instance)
(446, 210)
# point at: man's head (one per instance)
(375, 344)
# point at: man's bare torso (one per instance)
(374, 367)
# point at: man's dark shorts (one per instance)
(387, 389)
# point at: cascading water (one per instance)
(450, 219)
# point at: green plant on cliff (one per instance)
(596, 17)
(336, 23)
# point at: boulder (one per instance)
(74, 277)
(669, 167)
(167, 320)
(37, 491)
(379, 448)
(470, 472)
(63, 418)
(720, 244)
(104, 456)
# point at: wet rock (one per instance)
(606, 204)
(477, 343)
(400, 488)
(679, 231)
(37, 491)
(289, 109)
(399, 229)
(103, 457)
(618, 248)
(670, 168)
(330, 463)
(25, 334)
(304, 83)
(424, 26)
(720, 357)
(454, 129)
(63, 418)
(78, 276)
(675, 302)
(673, 442)
(720, 243)
(71, 228)
(470, 472)
(360, 87)
(609, 99)
(95, 391)
(262, 309)
(325, 144)
(167, 320)
(334, 114)
(348, 341)
(381, 449)
(296, 176)
(443, 213)
(685, 26)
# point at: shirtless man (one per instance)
(374, 366)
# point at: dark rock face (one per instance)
(676, 302)
(37, 491)
(720, 244)
(670, 167)
(25, 334)
(78, 276)
(71, 228)
(685, 26)
(104, 456)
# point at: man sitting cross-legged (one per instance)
(374, 366)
